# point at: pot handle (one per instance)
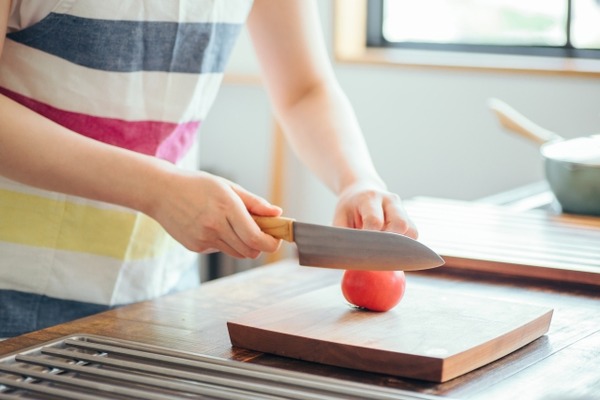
(517, 123)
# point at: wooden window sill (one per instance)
(350, 47)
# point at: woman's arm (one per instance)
(316, 115)
(202, 211)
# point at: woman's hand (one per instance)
(317, 117)
(372, 207)
(207, 213)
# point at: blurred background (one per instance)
(429, 129)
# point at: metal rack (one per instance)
(92, 367)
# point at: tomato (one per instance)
(374, 290)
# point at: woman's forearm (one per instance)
(327, 137)
(203, 212)
(315, 114)
(43, 154)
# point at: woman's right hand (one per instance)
(207, 213)
(204, 212)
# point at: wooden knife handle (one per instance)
(278, 227)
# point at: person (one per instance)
(101, 200)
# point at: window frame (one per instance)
(352, 44)
(375, 38)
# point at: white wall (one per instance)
(429, 130)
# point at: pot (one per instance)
(572, 167)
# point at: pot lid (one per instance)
(585, 150)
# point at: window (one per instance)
(552, 28)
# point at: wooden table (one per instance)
(564, 362)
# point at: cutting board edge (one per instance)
(454, 366)
(265, 341)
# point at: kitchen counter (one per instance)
(498, 248)
(564, 363)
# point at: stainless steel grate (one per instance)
(93, 367)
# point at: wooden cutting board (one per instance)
(433, 334)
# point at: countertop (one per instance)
(564, 363)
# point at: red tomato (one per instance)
(374, 290)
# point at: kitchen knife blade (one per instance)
(346, 248)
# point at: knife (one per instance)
(346, 248)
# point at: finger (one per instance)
(251, 234)
(412, 231)
(244, 235)
(372, 214)
(218, 245)
(246, 228)
(341, 219)
(210, 251)
(342, 216)
(223, 237)
(227, 249)
(232, 238)
(397, 220)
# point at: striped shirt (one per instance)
(136, 74)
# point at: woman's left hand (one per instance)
(364, 206)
